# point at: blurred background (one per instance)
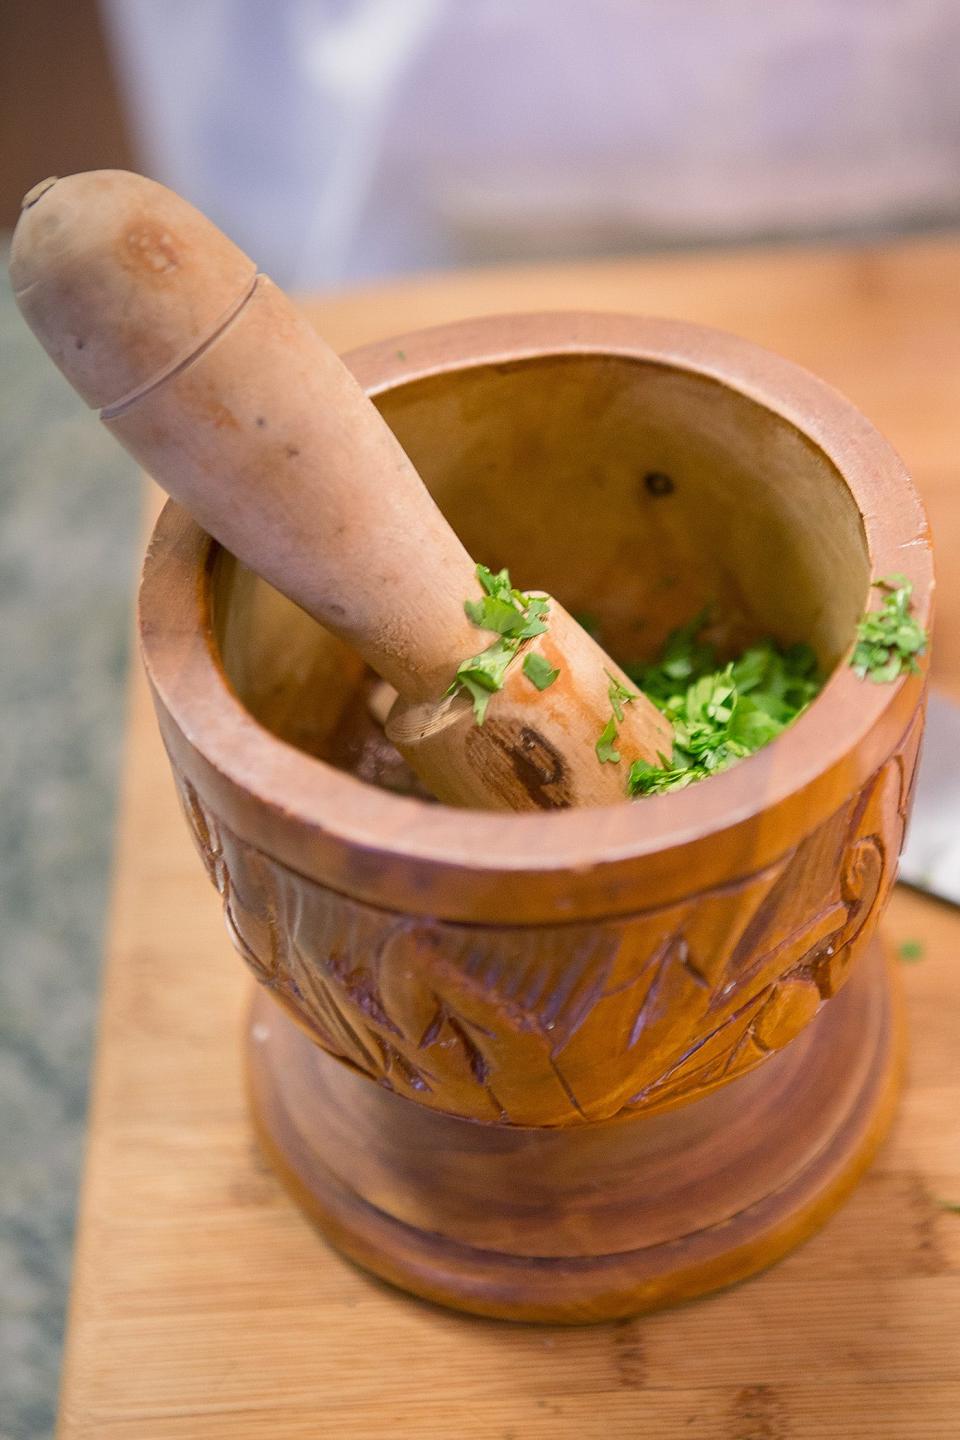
(345, 142)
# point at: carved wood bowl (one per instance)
(575, 1064)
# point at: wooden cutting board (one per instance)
(204, 1308)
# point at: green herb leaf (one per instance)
(489, 668)
(539, 671)
(910, 951)
(647, 779)
(619, 696)
(479, 694)
(492, 613)
(952, 1205)
(684, 658)
(888, 639)
(497, 585)
(719, 714)
(511, 615)
(607, 754)
(535, 618)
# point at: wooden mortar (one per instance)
(571, 1065)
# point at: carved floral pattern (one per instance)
(548, 1025)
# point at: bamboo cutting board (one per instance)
(203, 1306)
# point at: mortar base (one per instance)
(595, 1221)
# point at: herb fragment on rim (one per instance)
(889, 639)
(513, 617)
(539, 671)
(607, 753)
(909, 951)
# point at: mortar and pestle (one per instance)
(566, 1064)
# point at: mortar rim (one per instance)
(402, 853)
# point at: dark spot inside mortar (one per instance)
(657, 483)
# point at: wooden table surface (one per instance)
(204, 1305)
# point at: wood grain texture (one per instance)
(577, 1022)
(204, 1305)
(597, 1222)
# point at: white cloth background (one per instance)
(344, 139)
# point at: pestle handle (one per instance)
(213, 380)
(216, 383)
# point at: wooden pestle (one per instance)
(206, 372)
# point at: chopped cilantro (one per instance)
(505, 609)
(607, 753)
(952, 1205)
(684, 657)
(719, 714)
(497, 585)
(539, 671)
(889, 639)
(482, 675)
(647, 779)
(513, 617)
(535, 621)
(910, 950)
(619, 696)
(492, 613)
